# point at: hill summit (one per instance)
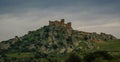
(57, 37)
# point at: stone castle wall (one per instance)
(62, 23)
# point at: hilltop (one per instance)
(56, 39)
(58, 36)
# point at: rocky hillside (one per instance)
(57, 37)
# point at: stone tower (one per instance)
(62, 21)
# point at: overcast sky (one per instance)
(17, 17)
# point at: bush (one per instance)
(73, 58)
(98, 54)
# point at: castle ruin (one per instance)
(61, 23)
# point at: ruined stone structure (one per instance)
(61, 23)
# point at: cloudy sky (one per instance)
(17, 17)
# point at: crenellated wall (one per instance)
(62, 23)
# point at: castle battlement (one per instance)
(61, 22)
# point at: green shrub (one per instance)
(95, 55)
(73, 58)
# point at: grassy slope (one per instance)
(113, 45)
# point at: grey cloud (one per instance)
(22, 5)
(19, 16)
(21, 23)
